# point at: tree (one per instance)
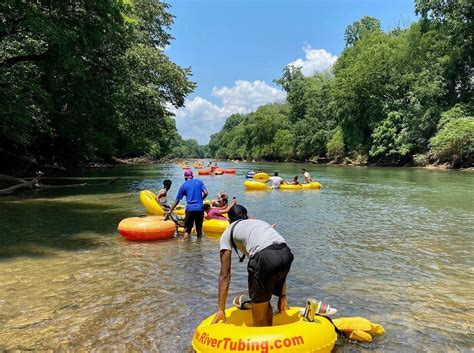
(292, 82)
(358, 29)
(390, 139)
(335, 145)
(454, 141)
(453, 19)
(83, 80)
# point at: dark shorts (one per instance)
(267, 271)
(191, 218)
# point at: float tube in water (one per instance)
(146, 228)
(255, 185)
(261, 176)
(148, 200)
(289, 334)
(213, 228)
(313, 185)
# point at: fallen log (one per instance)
(34, 184)
(21, 184)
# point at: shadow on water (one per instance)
(36, 227)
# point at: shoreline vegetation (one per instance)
(10, 185)
(87, 83)
(395, 98)
(347, 163)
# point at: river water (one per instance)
(392, 245)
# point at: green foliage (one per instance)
(383, 103)
(454, 141)
(452, 19)
(283, 144)
(189, 149)
(86, 80)
(264, 134)
(335, 145)
(359, 29)
(292, 81)
(390, 138)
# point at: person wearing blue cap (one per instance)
(195, 192)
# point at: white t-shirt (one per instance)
(163, 199)
(250, 236)
(276, 181)
(307, 176)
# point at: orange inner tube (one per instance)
(204, 172)
(230, 171)
(146, 228)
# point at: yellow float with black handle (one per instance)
(148, 200)
(289, 334)
(312, 185)
(255, 185)
(213, 228)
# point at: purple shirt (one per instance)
(214, 214)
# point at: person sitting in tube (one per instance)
(307, 176)
(269, 264)
(295, 181)
(161, 198)
(217, 212)
(214, 168)
(222, 201)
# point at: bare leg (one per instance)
(262, 314)
(186, 235)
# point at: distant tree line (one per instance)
(85, 80)
(391, 99)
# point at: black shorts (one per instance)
(191, 218)
(267, 271)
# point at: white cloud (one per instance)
(200, 118)
(316, 60)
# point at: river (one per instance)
(392, 245)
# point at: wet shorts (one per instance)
(194, 217)
(267, 271)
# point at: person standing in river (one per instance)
(276, 181)
(195, 192)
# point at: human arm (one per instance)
(229, 206)
(179, 196)
(204, 192)
(282, 301)
(173, 206)
(223, 286)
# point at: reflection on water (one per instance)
(392, 245)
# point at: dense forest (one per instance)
(393, 98)
(85, 80)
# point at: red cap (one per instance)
(188, 173)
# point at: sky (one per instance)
(237, 48)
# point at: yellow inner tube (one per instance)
(148, 200)
(255, 185)
(213, 228)
(261, 176)
(289, 334)
(313, 185)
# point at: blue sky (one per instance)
(237, 48)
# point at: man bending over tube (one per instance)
(269, 263)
